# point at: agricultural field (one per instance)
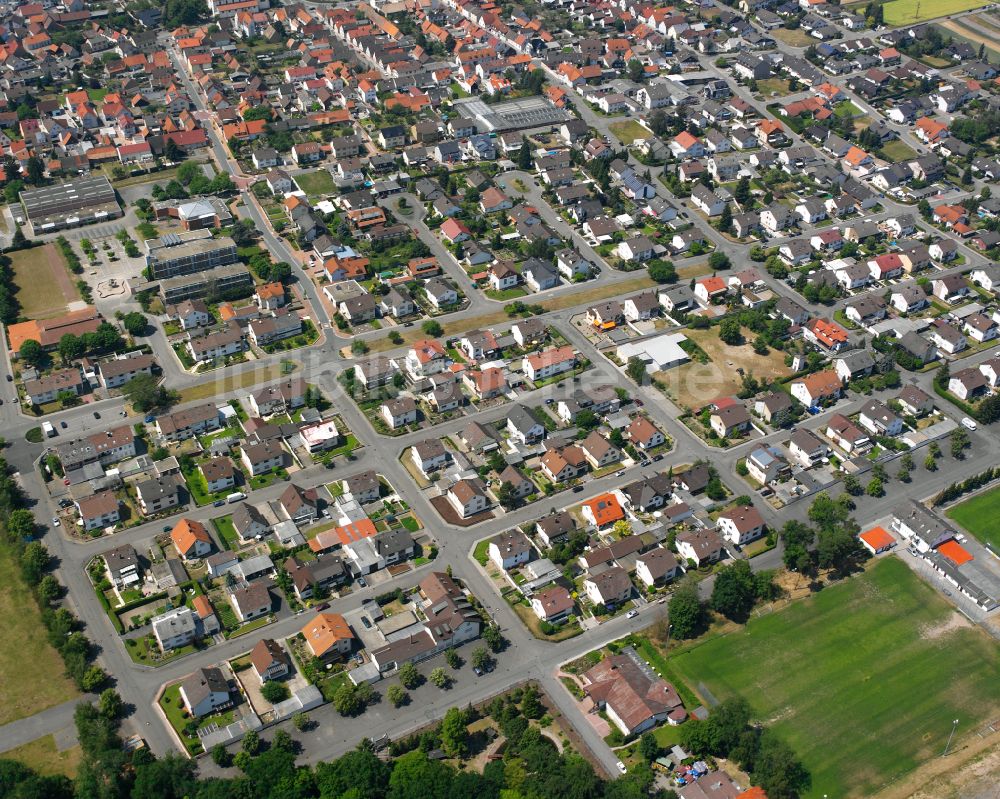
(976, 30)
(906, 12)
(862, 680)
(978, 515)
(45, 287)
(693, 384)
(26, 691)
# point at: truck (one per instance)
(48, 429)
(236, 496)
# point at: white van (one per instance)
(967, 422)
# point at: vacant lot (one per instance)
(898, 151)
(225, 383)
(862, 680)
(628, 132)
(978, 515)
(793, 38)
(44, 285)
(906, 12)
(42, 756)
(316, 184)
(769, 86)
(31, 671)
(695, 384)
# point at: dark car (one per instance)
(366, 622)
(657, 458)
(10, 378)
(97, 415)
(577, 489)
(63, 425)
(324, 606)
(218, 503)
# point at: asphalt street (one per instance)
(525, 657)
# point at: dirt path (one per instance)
(61, 275)
(968, 773)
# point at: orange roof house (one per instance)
(355, 531)
(829, 334)
(328, 634)
(603, 510)
(190, 538)
(47, 332)
(955, 552)
(930, 130)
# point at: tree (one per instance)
(852, 485)
(93, 678)
(454, 734)
(36, 170)
(636, 71)
(531, 703)
(725, 221)
(432, 328)
(172, 152)
(930, 463)
(71, 347)
(480, 658)
(221, 756)
(493, 638)
(274, 691)
(662, 271)
(523, 158)
(251, 742)
(687, 613)
(742, 193)
(31, 353)
(397, 695)
(20, 525)
(49, 589)
(282, 742)
(135, 323)
(959, 442)
(110, 705)
(621, 529)
(730, 331)
(408, 675)
(507, 494)
(875, 488)
(145, 394)
(350, 700)
(301, 721)
(452, 658)
(439, 677)
(719, 261)
(649, 749)
(733, 592)
(19, 239)
(636, 369)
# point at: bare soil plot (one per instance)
(695, 384)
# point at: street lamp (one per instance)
(947, 746)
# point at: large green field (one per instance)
(316, 184)
(978, 515)
(906, 12)
(862, 680)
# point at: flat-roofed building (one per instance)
(220, 282)
(72, 203)
(185, 253)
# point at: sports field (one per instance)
(978, 515)
(862, 680)
(906, 12)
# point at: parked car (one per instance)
(366, 622)
(324, 606)
(968, 423)
(632, 614)
(97, 415)
(63, 425)
(55, 521)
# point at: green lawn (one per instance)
(316, 184)
(482, 552)
(224, 527)
(978, 515)
(898, 151)
(905, 12)
(846, 109)
(628, 132)
(862, 680)
(23, 643)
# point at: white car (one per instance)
(968, 423)
(55, 521)
(621, 767)
(631, 614)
